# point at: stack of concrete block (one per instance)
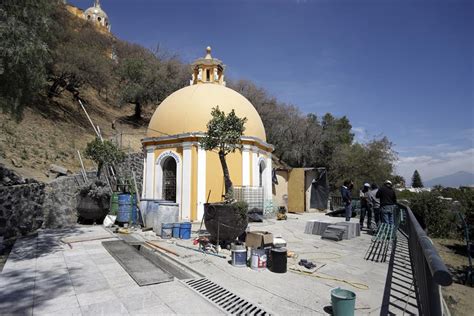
(335, 232)
(315, 227)
(352, 231)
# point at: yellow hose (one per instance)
(357, 285)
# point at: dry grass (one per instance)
(53, 131)
(459, 297)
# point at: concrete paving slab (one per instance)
(290, 293)
(90, 285)
(87, 264)
(56, 304)
(105, 307)
(63, 312)
(154, 310)
(95, 297)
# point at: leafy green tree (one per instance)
(416, 180)
(24, 52)
(103, 153)
(371, 162)
(146, 76)
(224, 134)
(81, 57)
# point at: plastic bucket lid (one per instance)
(185, 225)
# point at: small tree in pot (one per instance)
(103, 152)
(225, 221)
(93, 199)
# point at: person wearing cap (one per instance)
(388, 202)
(375, 203)
(365, 206)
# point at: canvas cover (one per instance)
(319, 190)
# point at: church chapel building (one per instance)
(177, 169)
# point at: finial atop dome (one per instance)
(97, 3)
(208, 53)
(208, 70)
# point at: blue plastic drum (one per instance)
(185, 231)
(176, 227)
(127, 208)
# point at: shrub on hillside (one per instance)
(434, 214)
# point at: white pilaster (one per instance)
(255, 170)
(150, 175)
(186, 182)
(245, 165)
(142, 195)
(268, 178)
(201, 185)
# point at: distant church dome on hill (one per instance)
(97, 15)
(94, 14)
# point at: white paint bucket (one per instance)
(259, 259)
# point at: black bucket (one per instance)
(278, 260)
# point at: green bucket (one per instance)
(343, 302)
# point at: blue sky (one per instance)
(403, 69)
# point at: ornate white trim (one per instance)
(186, 182)
(159, 175)
(150, 174)
(246, 165)
(201, 182)
(255, 172)
(200, 135)
(268, 183)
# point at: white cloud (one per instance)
(436, 165)
(360, 134)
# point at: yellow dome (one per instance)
(189, 109)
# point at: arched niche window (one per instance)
(99, 18)
(88, 17)
(261, 169)
(169, 179)
(208, 75)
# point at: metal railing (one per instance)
(429, 270)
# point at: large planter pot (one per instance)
(90, 209)
(224, 221)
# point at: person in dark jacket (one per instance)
(388, 201)
(347, 199)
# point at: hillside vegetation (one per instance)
(50, 60)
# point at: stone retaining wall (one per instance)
(28, 206)
(133, 162)
(21, 208)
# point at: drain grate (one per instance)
(229, 302)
